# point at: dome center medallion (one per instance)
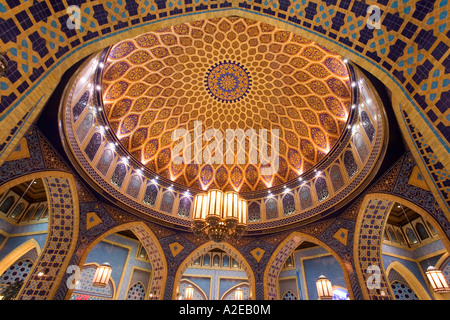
(227, 81)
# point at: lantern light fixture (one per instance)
(189, 293)
(218, 215)
(324, 288)
(238, 294)
(102, 275)
(437, 280)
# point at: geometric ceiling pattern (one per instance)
(225, 74)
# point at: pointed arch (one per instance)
(111, 284)
(196, 287)
(206, 247)
(289, 293)
(18, 252)
(60, 187)
(442, 259)
(415, 285)
(137, 284)
(281, 253)
(152, 246)
(376, 207)
(229, 291)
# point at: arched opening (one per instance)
(296, 265)
(404, 284)
(40, 196)
(421, 243)
(24, 215)
(16, 266)
(85, 290)
(197, 292)
(138, 266)
(406, 250)
(233, 292)
(218, 266)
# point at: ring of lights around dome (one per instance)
(88, 136)
(227, 81)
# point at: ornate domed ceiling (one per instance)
(227, 73)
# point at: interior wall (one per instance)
(309, 265)
(127, 268)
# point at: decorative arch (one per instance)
(282, 252)
(369, 228)
(152, 247)
(62, 197)
(137, 284)
(30, 104)
(289, 295)
(196, 287)
(206, 247)
(7, 204)
(18, 252)
(411, 280)
(442, 260)
(381, 60)
(243, 284)
(105, 295)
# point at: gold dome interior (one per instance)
(226, 73)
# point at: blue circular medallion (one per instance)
(227, 81)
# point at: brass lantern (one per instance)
(324, 289)
(215, 207)
(242, 218)
(230, 209)
(189, 293)
(437, 280)
(199, 213)
(102, 275)
(218, 215)
(238, 294)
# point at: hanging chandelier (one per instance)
(219, 216)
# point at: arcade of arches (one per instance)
(355, 121)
